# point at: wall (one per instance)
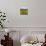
(36, 17)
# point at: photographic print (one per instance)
(23, 11)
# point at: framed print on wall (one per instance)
(23, 11)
